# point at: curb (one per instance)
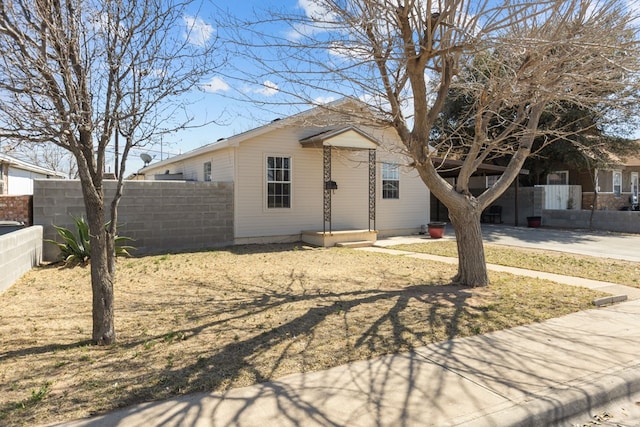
(574, 399)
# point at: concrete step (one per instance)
(356, 244)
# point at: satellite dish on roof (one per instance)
(146, 158)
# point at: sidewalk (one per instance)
(532, 375)
(526, 376)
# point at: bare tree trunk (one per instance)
(101, 281)
(101, 273)
(472, 268)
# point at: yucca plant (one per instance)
(76, 247)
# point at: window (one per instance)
(617, 183)
(390, 181)
(558, 178)
(278, 182)
(634, 184)
(207, 171)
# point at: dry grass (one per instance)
(228, 318)
(604, 269)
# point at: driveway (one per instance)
(585, 242)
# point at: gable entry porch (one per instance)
(346, 139)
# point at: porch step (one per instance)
(356, 244)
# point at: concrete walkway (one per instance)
(533, 375)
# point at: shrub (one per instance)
(76, 247)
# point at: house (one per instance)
(617, 186)
(317, 176)
(16, 176)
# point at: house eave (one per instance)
(20, 164)
(335, 138)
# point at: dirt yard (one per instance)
(228, 318)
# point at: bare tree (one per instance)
(76, 71)
(48, 156)
(404, 58)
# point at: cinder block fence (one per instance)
(161, 216)
(20, 251)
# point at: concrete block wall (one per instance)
(16, 208)
(619, 221)
(162, 216)
(530, 202)
(20, 251)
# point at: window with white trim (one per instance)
(390, 181)
(278, 182)
(617, 183)
(558, 178)
(207, 171)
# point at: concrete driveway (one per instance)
(584, 242)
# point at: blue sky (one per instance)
(214, 102)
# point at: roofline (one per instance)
(21, 164)
(234, 140)
(319, 139)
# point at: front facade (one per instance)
(16, 176)
(310, 172)
(616, 186)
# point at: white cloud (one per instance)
(322, 100)
(315, 12)
(197, 31)
(268, 88)
(216, 84)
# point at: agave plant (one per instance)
(76, 247)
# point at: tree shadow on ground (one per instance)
(236, 359)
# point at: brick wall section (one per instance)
(162, 216)
(16, 208)
(606, 201)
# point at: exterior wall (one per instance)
(244, 163)
(528, 200)
(349, 203)
(20, 251)
(20, 181)
(609, 220)
(606, 201)
(252, 218)
(160, 215)
(192, 169)
(16, 208)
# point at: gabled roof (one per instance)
(237, 139)
(346, 137)
(21, 164)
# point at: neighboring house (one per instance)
(617, 187)
(16, 176)
(313, 174)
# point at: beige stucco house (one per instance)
(317, 176)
